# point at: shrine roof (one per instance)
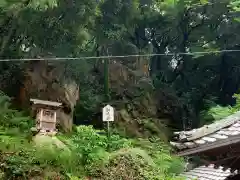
(210, 172)
(218, 134)
(47, 103)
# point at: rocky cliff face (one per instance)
(46, 82)
(132, 95)
(134, 99)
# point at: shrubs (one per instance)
(88, 153)
(214, 112)
(126, 164)
(92, 148)
(137, 164)
(91, 155)
(119, 158)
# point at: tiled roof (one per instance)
(48, 103)
(209, 172)
(226, 135)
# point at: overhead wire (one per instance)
(126, 56)
(208, 4)
(121, 56)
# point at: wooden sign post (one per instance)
(108, 116)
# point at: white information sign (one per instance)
(108, 113)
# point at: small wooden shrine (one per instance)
(45, 113)
(217, 145)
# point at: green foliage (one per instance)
(235, 4)
(118, 27)
(236, 107)
(60, 28)
(28, 161)
(214, 112)
(12, 121)
(92, 148)
(19, 156)
(155, 127)
(90, 154)
(86, 152)
(142, 163)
